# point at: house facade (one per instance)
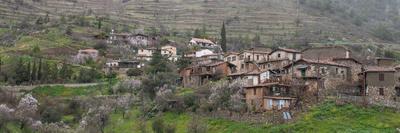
(285, 54)
(86, 54)
(200, 74)
(269, 96)
(379, 85)
(167, 51)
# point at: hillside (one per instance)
(275, 21)
(324, 118)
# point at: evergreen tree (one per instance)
(197, 33)
(223, 37)
(257, 41)
(158, 63)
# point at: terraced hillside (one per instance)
(271, 19)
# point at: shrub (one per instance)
(170, 128)
(196, 126)
(158, 125)
(88, 75)
(134, 72)
(51, 115)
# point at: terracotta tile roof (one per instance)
(202, 40)
(352, 59)
(267, 84)
(287, 50)
(323, 62)
(277, 60)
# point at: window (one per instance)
(381, 77)
(398, 91)
(258, 57)
(241, 57)
(254, 91)
(268, 65)
(228, 59)
(234, 58)
(294, 56)
(279, 55)
(248, 57)
(337, 70)
(381, 92)
(323, 70)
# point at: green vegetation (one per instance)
(14, 127)
(62, 91)
(52, 37)
(327, 117)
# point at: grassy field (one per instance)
(324, 118)
(62, 91)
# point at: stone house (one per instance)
(86, 54)
(241, 60)
(145, 53)
(121, 66)
(318, 75)
(233, 57)
(255, 54)
(198, 53)
(397, 78)
(200, 74)
(379, 85)
(141, 40)
(355, 67)
(170, 52)
(326, 53)
(269, 96)
(202, 43)
(385, 62)
(275, 66)
(313, 68)
(167, 51)
(284, 53)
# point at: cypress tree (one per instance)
(223, 37)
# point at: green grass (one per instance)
(325, 118)
(14, 127)
(53, 38)
(184, 91)
(3, 30)
(62, 91)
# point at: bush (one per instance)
(51, 115)
(158, 125)
(170, 128)
(134, 72)
(88, 75)
(196, 126)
